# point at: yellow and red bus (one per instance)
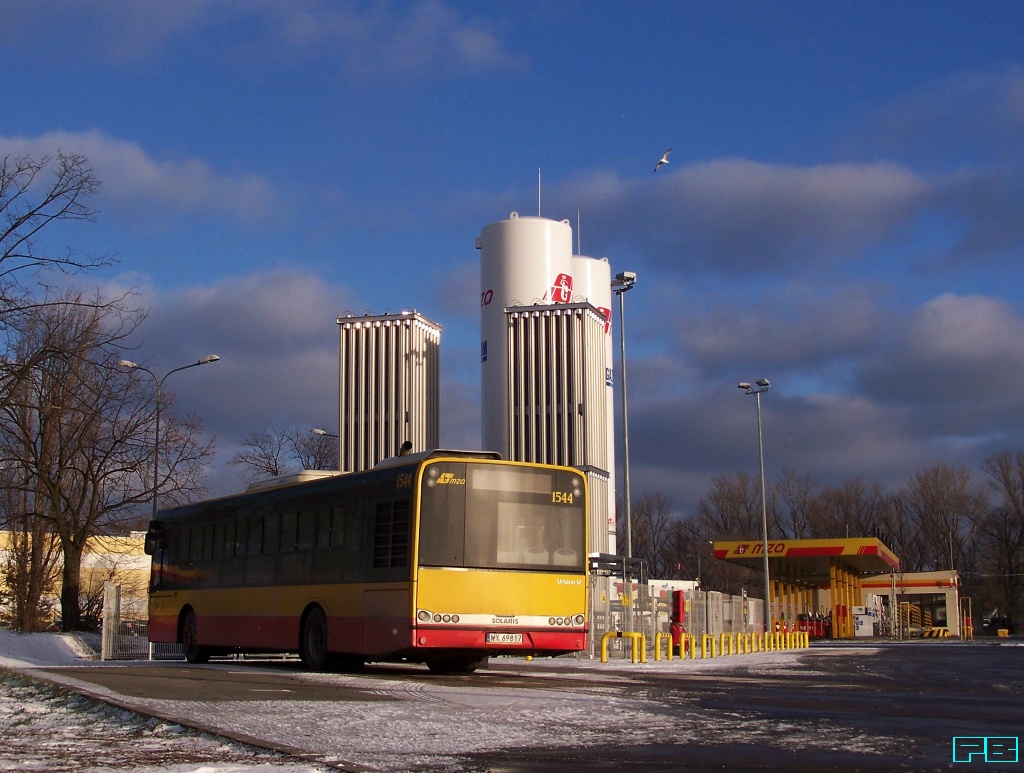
(443, 558)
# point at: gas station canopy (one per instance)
(810, 561)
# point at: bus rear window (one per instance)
(502, 517)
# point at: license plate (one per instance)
(504, 638)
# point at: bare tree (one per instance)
(84, 433)
(315, 451)
(732, 510)
(1001, 533)
(270, 453)
(28, 205)
(944, 504)
(36, 194)
(799, 498)
(651, 522)
(31, 564)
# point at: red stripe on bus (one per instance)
(564, 641)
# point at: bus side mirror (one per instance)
(154, 538)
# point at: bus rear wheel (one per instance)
(313, 640)
(193, 652)
(457, 664)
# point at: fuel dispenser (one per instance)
(678, 618)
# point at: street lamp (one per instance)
(761, 386)
(156, 427)
(621, 284)
(700, 546)
(322, 432)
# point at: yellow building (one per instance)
(120, 560)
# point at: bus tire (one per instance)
(313, 640)
(457, 664)
(193, 652)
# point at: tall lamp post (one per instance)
(760, 387)
(621, 284)
(156, 427)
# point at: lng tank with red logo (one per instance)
(561, 289)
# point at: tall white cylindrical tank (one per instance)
(524, 261)
(592, 282)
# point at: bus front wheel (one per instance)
(313, 640)
(193, 652)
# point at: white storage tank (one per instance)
(524, 261)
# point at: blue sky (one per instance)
(843, 211)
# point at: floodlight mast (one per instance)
(621, 284)
(761, 386)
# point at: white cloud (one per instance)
(382, 39)
(738, 215)
(975, 114)
(278, 343)
(802, 325)
(133, 182)
(952, 349)
(371, 40)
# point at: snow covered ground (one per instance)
(44, 727)
(419, 725)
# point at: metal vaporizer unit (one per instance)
(389, 387)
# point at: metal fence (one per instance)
(650, 612)
(125, 630)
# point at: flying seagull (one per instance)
(664, 159)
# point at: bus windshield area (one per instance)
(493, 516)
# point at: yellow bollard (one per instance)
(705, 640)
(692, 643)
(726, 637)
(638, 647)
(658, 637)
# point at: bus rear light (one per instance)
(425, 616)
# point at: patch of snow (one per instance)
(48, 728)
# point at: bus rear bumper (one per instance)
(497, 642)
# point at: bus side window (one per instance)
(255, 537)
(183, 545)
(307, 529)
(391, 534)
(337, 527)
(195, 547)
(271, 534)
(289, 531)
(218, 539)
(241, 536)
(323, 528)
(208, 535)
